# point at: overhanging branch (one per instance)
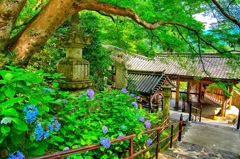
(108, 8)
(225, 14)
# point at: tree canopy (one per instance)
(145, 26)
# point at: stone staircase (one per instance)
(205, 141)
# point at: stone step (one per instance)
(185, 150)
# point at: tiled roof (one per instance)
(145, 82)
(214, 65)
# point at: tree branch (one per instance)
(108, 8)
(9, 11)
(225, 14)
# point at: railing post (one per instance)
(180, 127)
(238, 123)
(200, 114)
(196, 115)
(171, 137)
(190, 110)
(158, 134)
(131, 148)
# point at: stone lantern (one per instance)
(167, 93)
(75, 69)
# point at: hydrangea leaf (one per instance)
(5, 129)
(10, 92)
(19, 124)
(10, 112)
(57, 138)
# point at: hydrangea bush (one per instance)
(37, 118)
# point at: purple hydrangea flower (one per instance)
(147, 124)
(135, 104)
(66, 148)
(105, 142)
(120, 136)
(104, 129)
(124, 90)
(16, 155)
(90, 93)
(64, 101)
(141, 119)
(138, 97)
(132, 95)
(149, 142)
(31, 113)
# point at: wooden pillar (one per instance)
(199, 91)
(188, 91)
(177, 93)
(224, 105)
(230, 89)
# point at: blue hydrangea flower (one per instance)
(16, 155)
(147, 124)
(132, 95)
(90, 93)
(31, 113)
(40, 133)
(120, 136)
(122, 127)
(135, 104)
(149, 142)
(55, 124)
(105, 142)
(141, 119)
(6, 120)
(124, 90)
(50, 127)
(47, 90)
(104, 129)
(64, 101)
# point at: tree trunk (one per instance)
(9, 11)
(40, 28)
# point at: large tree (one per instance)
(174, 17)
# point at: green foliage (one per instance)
(98, 57)
(81, 117)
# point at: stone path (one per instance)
(204, 141)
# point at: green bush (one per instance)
(36, 118)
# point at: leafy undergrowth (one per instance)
(36, 118)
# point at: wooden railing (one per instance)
(195, 111)
(156, 142)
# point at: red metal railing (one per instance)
(157, 130)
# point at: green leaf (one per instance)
(41, 149)
(17, 138)
(8, 76)
(5, 129)
(19, 124)
(10, 112)
(11, 102)
(57, 138)
(10, 92)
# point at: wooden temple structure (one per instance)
(198, 72)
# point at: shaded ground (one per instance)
(204, 141)
(210, 112)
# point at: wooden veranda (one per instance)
(199, 72)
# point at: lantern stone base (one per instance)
(75, 85)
